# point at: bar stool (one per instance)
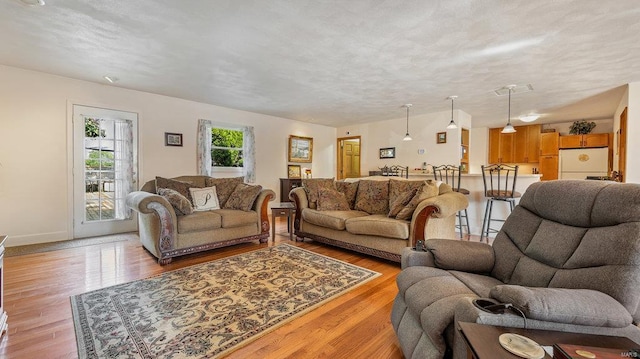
(499, 185)
(450, 175)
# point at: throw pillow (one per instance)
(373, 197)
(204, 199)
(331, 200)
(242, 197)
(349, 189)
(400, 202)
(224, 187)
(178, 186)
(180, 203)
(311, 186)
(427, 190)
(399, 187)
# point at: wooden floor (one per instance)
(37, 289)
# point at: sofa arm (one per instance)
(261, 205)
(299, 197)
(145, 202)
(446, 204)
(567, 306)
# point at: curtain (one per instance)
(123, 166)
(249, 154)
(204, 147)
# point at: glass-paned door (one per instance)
(105, 170)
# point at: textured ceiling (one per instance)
(339, 62)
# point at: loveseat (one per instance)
(169, 227)
(378, 216)
(567, 257)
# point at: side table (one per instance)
(283, 209)
(482, 340)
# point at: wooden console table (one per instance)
(3, 312)
(482, 340)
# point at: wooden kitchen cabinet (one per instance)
(500, 146)
(549, 143)
(584, 141)
(523, 146)
(548, 168)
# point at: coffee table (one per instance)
(283, 209)
(482, 340)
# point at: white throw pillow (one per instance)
(204, 199)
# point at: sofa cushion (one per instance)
(199, 221)
(331, 200)
(204, 199)
(569, 306)
(243, 196)
(378, 225)
(224, 187)
(399, 187)
(400, 202)
(427, 190)
(373, 197)
(178, 186)
(350, 190)
(237, 218)
(330, 219)
(180, 203)
(311, 186)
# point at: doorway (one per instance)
(349, 157)
(105, 170)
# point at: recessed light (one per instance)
(33, 2)
(111, 79)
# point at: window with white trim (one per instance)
(227, 147)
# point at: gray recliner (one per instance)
(568, 256)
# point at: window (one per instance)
(226, 147)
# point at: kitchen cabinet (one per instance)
(548, 168)
(549, 143)
(464, 149)
(523, 146)
(585, 141)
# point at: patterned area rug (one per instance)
(209, 309)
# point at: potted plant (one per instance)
(581, 127)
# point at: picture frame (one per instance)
(388, 152)
(300, 149)
(294, 171)
(441, 137)
(172, 139)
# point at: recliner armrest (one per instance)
(567, 306)
(451, 254)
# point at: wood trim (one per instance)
(264, 214)
(354, 247)
(421, 223)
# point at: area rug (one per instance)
(210, 309)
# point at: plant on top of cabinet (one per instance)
(581, 127)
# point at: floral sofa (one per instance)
(190, 214)
(379, 216)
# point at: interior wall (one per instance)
(422, 148)
(633, 132)
(36, 146)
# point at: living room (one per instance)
(36, 117)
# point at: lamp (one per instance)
(407, 137)
(452, 125)
(509, 128)
(529, 118)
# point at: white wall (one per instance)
(423, 129)
(633, 133)
(35, 146)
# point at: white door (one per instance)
(105, 170)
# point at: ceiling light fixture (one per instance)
(111, 79)
(509, 128)
(33, 2)
(529, 118)
(452, 125)
(407, 137)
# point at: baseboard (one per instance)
(13, 241)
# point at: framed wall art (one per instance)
(172, 139)
(300, 149)
(441, 137)
(388, 152)
(293, 171)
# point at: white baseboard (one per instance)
(13, 241)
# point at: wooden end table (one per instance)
(482, 340)
(282, 209)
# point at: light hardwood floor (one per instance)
(37, 289)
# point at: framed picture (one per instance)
(172, 139)
(389, 152)
(300, 149)
(293, 171)
(441, 137)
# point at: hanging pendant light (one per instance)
(452, 125)
(407, 137)
(509, 128)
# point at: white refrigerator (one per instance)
(582, 162)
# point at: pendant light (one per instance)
(407, 137)
(452, 125)
(509, 128)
